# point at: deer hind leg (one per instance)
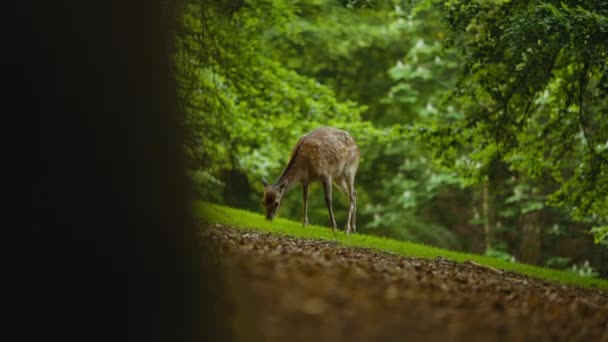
(327, 188)
(353, 218)
(305, 194)
(352, 210)
(345, 188)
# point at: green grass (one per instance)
(252, 221)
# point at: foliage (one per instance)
(584, 270)
(243, 108)
(441, 97)
(351, 50)
(495, 253)
(531, 95)
(348, 50)
(601, 234)
(558, 262)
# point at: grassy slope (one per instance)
(248, 220)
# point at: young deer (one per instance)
(326, 154)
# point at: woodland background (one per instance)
(482, 124)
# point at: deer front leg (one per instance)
(305, 194)
(327, 188)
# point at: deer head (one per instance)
(272, 197)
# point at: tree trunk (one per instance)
(485, 206)
(530, 240)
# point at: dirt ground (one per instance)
(278, 288)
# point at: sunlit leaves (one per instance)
(243, 109)
(531, 95)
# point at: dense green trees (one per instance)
(243, 108)
(532, 94)
(481, 123)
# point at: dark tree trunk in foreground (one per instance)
(116, 255)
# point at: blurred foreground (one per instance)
(281, 288)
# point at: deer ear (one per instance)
(264, 181)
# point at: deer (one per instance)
(327, 155)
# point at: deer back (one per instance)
(325, 152)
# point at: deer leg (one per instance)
(352, 196)
(343, 185)
(353, 220)
(305, 193)
(327, 188)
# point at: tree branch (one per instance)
(581, 116)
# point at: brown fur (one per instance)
(325, 155)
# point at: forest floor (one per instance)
(285, 288)
(247, 220)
